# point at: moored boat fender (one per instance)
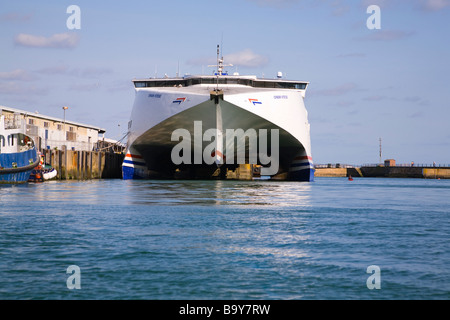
(50, 174)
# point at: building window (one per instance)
(30, 121)
(59, 126)
(46, 124)
(71, 136)
(71, 129)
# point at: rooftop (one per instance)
(41, 116)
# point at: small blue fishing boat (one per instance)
(18, 154)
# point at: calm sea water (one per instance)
(226, 239)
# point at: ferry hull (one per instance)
(150, 153)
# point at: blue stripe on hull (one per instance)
(18, 177)
(129, 173)
(302, 175)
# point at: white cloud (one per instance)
(246, 58)
(435, 5)
(66, 40)
(341, 7)
(15, 17)
(425, 5)
(18, 89)
(18, 74)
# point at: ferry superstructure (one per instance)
(169, 133)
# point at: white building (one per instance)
(50, 132)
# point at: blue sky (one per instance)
(390, 83)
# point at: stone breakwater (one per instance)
(386, 171)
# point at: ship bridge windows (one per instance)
(160, 83)
(280, 85)
(140, 84)
(256, 83)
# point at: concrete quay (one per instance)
(386, 172)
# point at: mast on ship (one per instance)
(217, 95)
(220, 66)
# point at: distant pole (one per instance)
(380, 152)
(65, 108)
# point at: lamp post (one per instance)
(65, 134)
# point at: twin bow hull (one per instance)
(202, 132)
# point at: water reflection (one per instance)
(94, 192)
(218, 192)
(160, 192)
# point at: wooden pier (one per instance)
(84, 165)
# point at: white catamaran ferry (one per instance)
(207, 126)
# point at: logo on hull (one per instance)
(179, 100)
(255, 101)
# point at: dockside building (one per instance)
(53, 133)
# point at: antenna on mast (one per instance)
(221, 46)
(219, 68)
(220, 64)
(218, 59)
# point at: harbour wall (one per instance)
(386, 172)
(84, 165)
